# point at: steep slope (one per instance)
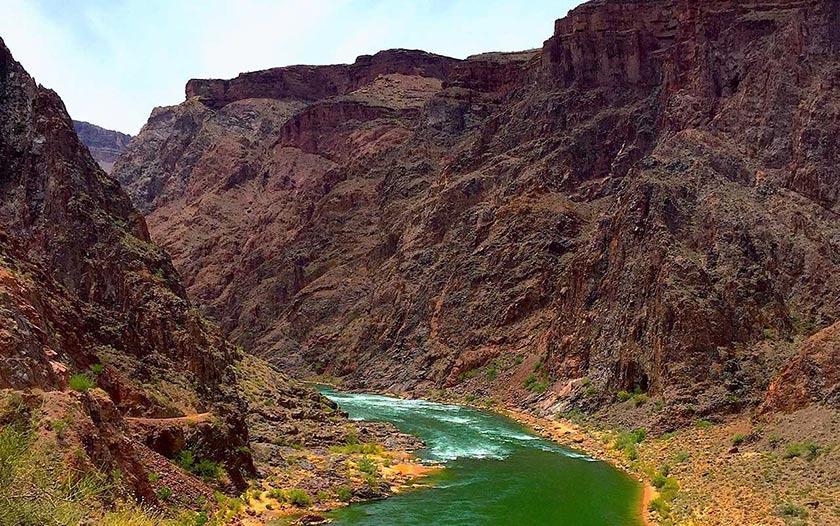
(104, 145)
(85, 292)
(112, 386)
(648, 202)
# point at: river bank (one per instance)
(779, 469)
(496, 472)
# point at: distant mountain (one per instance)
(104, 145)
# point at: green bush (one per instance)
(704, 424)
(623, 396)
(660, 506)
(204, 467)
(738, 439)
(808, 450)
(298, 497)
(366, 448)
(681, 456)
(536, 383)
(164, 493)
(81, 382)
(344, 493)
(627, 440)
(97, 369)
(366, 465)
(659, 481)
(207, 469)
(185, 459)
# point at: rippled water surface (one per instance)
(497, 473)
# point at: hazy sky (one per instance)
(112, 61)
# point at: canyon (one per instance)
(633, 230)
(648, 202)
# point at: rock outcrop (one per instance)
(648, 202)
(85, 291)
(104, 145)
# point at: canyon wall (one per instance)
(104, 145)
(648, 202)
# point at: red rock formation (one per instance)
(638, 204)
(82, 284)
(813, 375)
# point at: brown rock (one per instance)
(649, 201)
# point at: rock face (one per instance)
(649, 201)
(104, 145)
(83, 290)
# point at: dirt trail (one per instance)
(196, 418)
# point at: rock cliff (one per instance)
(648, 202)
(109, 376)
(104, 145)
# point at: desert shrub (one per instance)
(344, 493)
(366, 465)
(203, 467)
(640, 399)
(681, 456)
(97, 369)
(493, 371)
(573, 415)
(774, 440)
(298, 497)
(185, 459)
(623, 396)
(164, 493)
(226, 508)
(660, 506)
(792, 510)
(466, 375)
(738, 439)
(704, 424)
(365, 448)
(626, 441)
(535, 383)
(81, 382)
(207, 469)
(590, 391)
(807, 450)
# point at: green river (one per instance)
(496, 473)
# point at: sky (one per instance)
(112, 61)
